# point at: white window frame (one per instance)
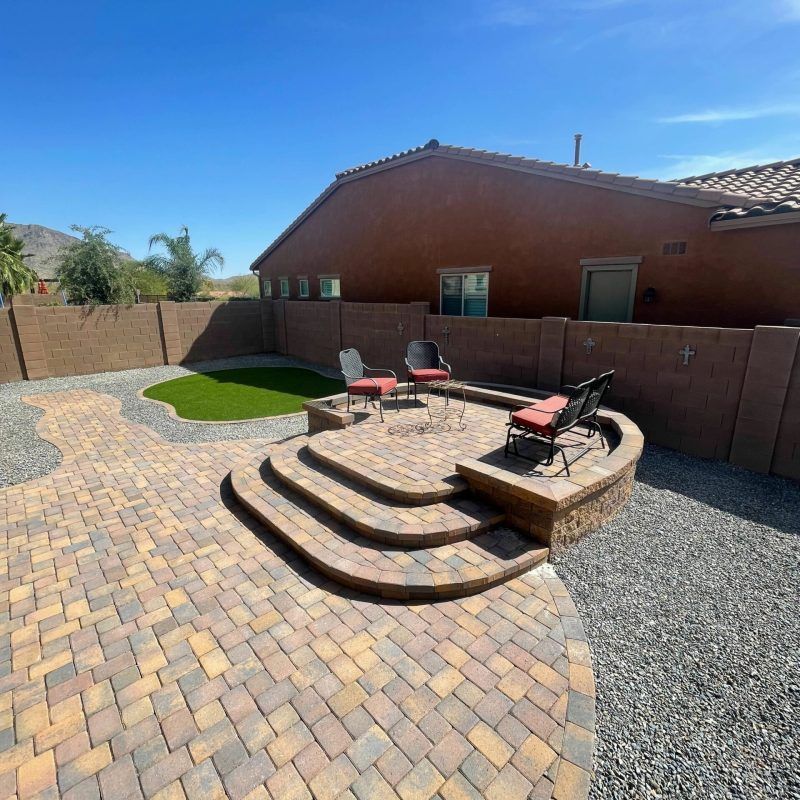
(285, 282)
(462, 273)
(621, 264)
(322, 279)
(303, 295)
(266, 288)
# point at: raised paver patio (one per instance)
(157, 642)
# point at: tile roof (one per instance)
(765, 181)
(775, 188)
(700, 195)
(749, 192)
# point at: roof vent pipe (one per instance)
(578, 137)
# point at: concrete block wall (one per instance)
(10, 365)
(381, 332)
(78, 340)
(689, 407)
(786, 455)
(219, 330)
(491, 349)
(312, 330)
(767, 432)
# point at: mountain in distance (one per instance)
(42, 246)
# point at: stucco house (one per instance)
(479, 233)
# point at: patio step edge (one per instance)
(305, 534)
(418, 494)
(310, 480)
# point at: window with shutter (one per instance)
(329, 288)
(465, 295)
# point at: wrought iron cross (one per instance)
(687, 353)
(446, 334)
(400, 327)
(589, 344)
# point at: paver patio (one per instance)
(158, 643)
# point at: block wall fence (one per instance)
(734, 397)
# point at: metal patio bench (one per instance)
(548, 419)
(424, 365)
(361, 385)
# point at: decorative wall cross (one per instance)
(446, 334)
(687, 353)
(400, 327)
(589, 344)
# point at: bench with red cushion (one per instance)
(534, 420)
(551, 404)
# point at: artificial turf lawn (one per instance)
(233, 394)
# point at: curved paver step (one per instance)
(371, 515)
(405, 487)
(451, 570)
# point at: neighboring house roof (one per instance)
(752, 192)
(776, 187)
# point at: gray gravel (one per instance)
(690, 600)
(23, 455)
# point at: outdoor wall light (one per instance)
(649, 295)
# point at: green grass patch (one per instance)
(237, 394)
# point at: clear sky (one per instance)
(230, 117)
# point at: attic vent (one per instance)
(674, 249)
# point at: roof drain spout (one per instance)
(578, 137)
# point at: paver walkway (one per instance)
(154, 642)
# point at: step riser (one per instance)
(347, 573)
(378, 529)
(405, 493)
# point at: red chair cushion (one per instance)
(551, 404)
(533, 420)
(367, 386)
(427, 375)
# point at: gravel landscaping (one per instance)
(690, 600)
(24, 455)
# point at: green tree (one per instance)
(147, 281)
(92, 271)
(182, 268)
(243, 285)
(16, 276)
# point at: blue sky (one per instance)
(230, 117)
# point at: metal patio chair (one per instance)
(359, 384)
(424, 364)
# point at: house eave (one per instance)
(756, 222)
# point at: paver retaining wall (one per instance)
(730, 394)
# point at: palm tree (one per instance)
(15, 275)
(182, 268)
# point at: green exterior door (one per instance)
(609, 295)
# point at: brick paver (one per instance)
(155, 641)
(410, 465)
(373, 515)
